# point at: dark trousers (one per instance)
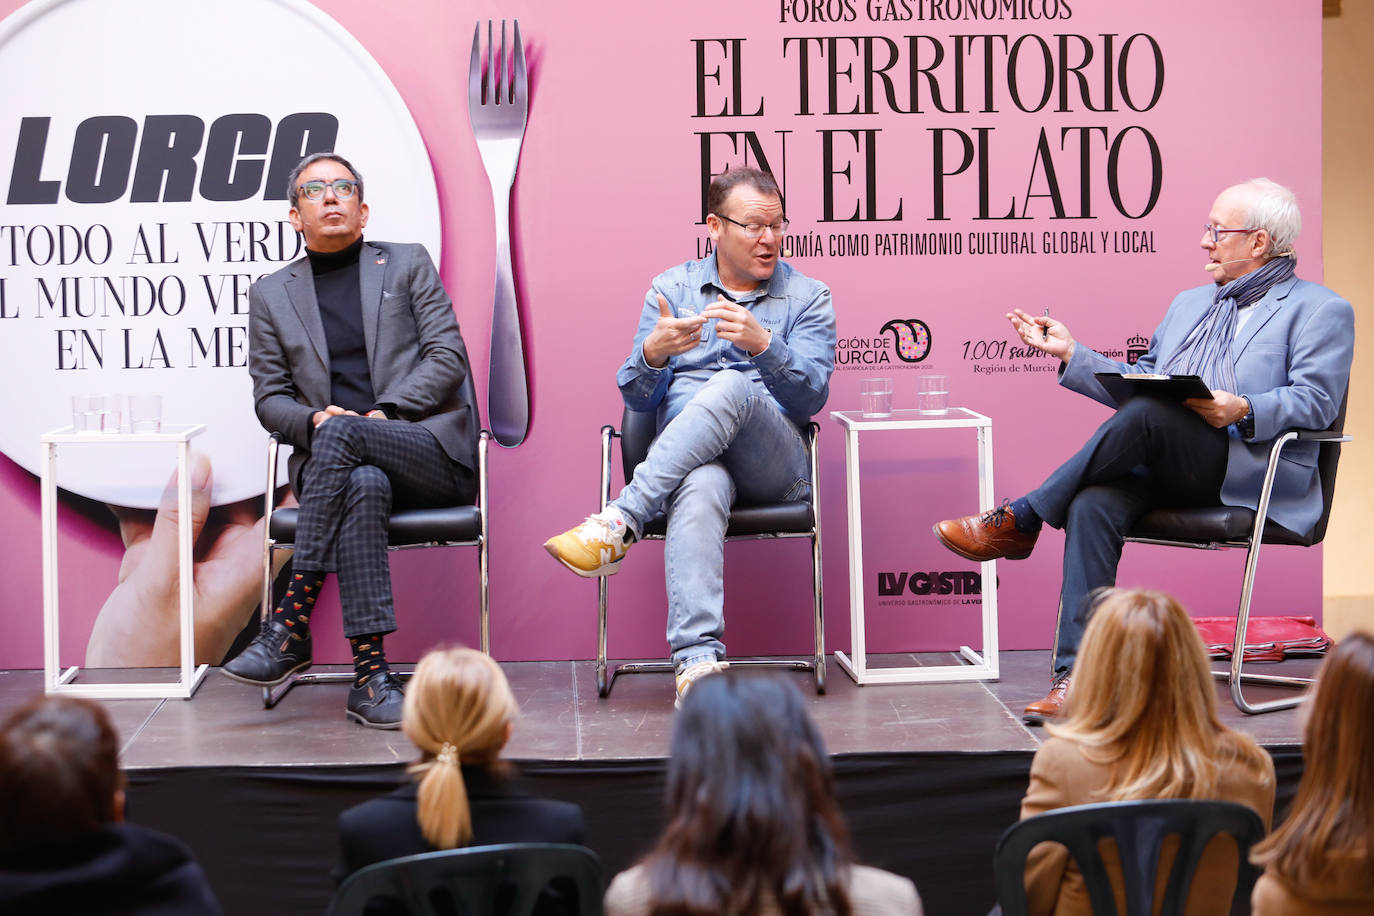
(359, 469)
(1149, 453)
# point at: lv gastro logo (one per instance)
(930, 583)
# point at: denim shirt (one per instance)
(795, 367)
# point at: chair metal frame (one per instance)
(1329, 438)
(605, 676)
(474, 875)
(1139, 829)
(272, 695)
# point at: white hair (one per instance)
(1273, 208)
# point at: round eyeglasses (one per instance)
(343, 188)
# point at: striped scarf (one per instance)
(1207, 350)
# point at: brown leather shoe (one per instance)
(1052, 706)
(990, 536)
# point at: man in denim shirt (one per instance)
(735, 352)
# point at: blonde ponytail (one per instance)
(457, 710)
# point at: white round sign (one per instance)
(143, 161)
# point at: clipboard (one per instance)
(1123, 386)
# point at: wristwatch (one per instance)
(1246, 424)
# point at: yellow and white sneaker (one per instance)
(693, 673)
(595, 547)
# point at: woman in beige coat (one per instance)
(1142, 723)
(1320, 862)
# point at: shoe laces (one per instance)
(997, 516)
(597, 528)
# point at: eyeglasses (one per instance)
(754, 230)
(1217, 232)
(343, 188)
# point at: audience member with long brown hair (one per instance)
(1142, 723)
(1321, 860)
(753, 826)
(64, 844)
(459, 712)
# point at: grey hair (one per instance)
(1273, 208)
(293, 192)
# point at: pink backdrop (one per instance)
(608, 195)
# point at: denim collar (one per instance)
(771, 288)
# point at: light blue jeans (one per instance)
(730, 441)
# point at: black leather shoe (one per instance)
(275, 654)
(377, 704)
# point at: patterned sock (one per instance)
(369, 658)
(1027, 522)
(299, 601)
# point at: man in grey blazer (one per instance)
(1275, 352)
(357, 362)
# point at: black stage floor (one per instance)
(928, 775)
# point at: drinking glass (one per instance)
(875, 397)
(145, 413)
(932, 395)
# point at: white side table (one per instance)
(56, 681)
(982, 667)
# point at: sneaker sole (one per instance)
(357, 717)
(610, 569)
(254, 683)
(974, 557)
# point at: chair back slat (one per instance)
(1139, 830)
(504, 880)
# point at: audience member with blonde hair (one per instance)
(459, 712)
(64, 844)
(1321, 860)
(752, 823)
(1142, 723)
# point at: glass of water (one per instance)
(932, 395)
(875, 397)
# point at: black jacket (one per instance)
(386, 827)
(120, 870)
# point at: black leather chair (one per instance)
(796, 519)
(1223, 527)
(1138, 829)
(505, 880)
(449, 526)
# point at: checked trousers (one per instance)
(359, 469)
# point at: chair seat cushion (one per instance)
(1205, 524)
(408, 526)
(748, 521)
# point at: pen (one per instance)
(1045, 328)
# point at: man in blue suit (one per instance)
(1275, 352)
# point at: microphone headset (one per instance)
(1210, 266)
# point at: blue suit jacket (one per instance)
(1292, 362)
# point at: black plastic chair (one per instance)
(1223, 527)
(505, 880)
(795, 519)
(1139, 829)
(448, 526)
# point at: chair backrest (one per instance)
(1328, 457)
(1139, 829)
(637, 431)
(505, 880)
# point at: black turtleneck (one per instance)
(338, 290)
